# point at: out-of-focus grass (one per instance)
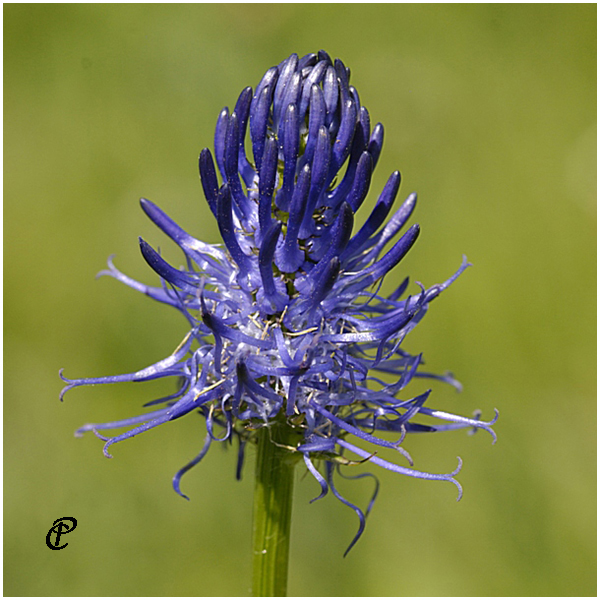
(490, 115)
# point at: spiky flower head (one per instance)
(286, 320)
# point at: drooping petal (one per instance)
(177, 477)
(320, 479)
(404, 470)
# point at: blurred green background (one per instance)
(490, 114)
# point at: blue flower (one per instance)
(286, 319)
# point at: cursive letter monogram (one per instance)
(59, 527)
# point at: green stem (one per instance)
(273, 510)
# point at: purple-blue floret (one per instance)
(287, 323)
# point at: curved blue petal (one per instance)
(177, 477)
(315, 473)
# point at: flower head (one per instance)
(286, 319)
